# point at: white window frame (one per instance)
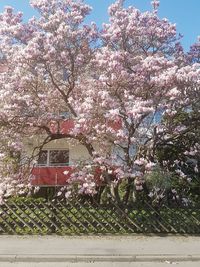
(48, 158)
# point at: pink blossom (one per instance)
(111, 82)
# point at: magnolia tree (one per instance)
(124, 87)
(144, 79)
(44, 59)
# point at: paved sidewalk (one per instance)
(130, 249)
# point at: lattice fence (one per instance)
(75, 217)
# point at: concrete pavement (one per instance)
(135, 250)
(101, 264)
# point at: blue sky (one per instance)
(185, 13)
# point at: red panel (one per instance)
(116, 125)
(65, 125)
(50, 176)
(54, 176)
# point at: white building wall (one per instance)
(77, 152)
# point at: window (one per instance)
(42, 159)
(53, 158)
(58, 157)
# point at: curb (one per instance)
(99, 258)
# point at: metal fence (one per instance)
(39, 216)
